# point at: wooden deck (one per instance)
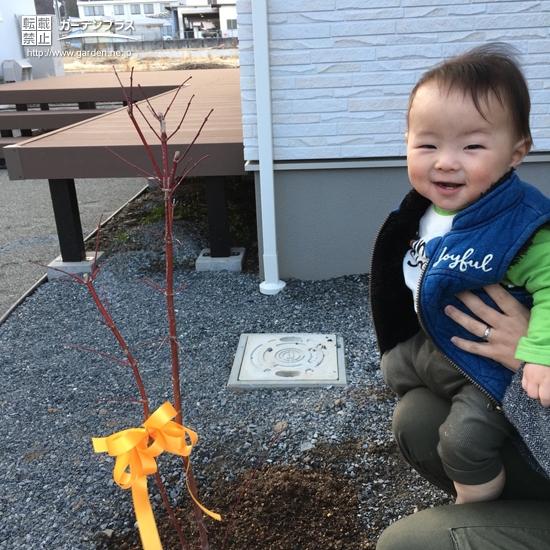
(86, 87)
(81, 150)
(77, 94)
(89, 149)
(45, 119)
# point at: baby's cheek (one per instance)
(417, 175)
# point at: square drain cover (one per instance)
(288, 360)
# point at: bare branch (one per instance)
(151, 342)
(138, 107)
(72, 277)
(175, 162)
(106, 300)
(147, 101)
(185, 174)
(176, 95)
(151, 284)
(137, 127)
(167, 180)
(94, 267)
(177, 291)
(127, 97)
(147, 174)
(158, 235)
(162, 342)
(122, 362)
(196, 135)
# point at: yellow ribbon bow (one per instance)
(135, 451)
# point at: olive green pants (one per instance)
(471, 437)
(519, 520)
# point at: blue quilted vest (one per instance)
(477, 251)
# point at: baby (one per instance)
(468, 222)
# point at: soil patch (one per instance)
(307, 507)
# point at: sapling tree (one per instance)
(167, 176)
(136, 449)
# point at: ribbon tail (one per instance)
(205, 510)
(144, 515)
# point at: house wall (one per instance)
(341, 70)
(327, 218)
(340, 75)
(45, 65)
(197, 3)
(218, 12)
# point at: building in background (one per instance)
(181, 19)
(142, 20)
(206, 18)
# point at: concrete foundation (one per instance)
(328, 213)
(234, 262)
(58, 268)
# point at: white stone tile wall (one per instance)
(341, 70)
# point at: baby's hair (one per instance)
(485, 70)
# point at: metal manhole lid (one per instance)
(288, 360)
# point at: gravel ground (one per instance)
(57, 494)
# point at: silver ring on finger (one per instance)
(486, 333)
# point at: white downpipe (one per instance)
(260, 29)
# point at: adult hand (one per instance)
(505, 328)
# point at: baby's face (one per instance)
(454, 154)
